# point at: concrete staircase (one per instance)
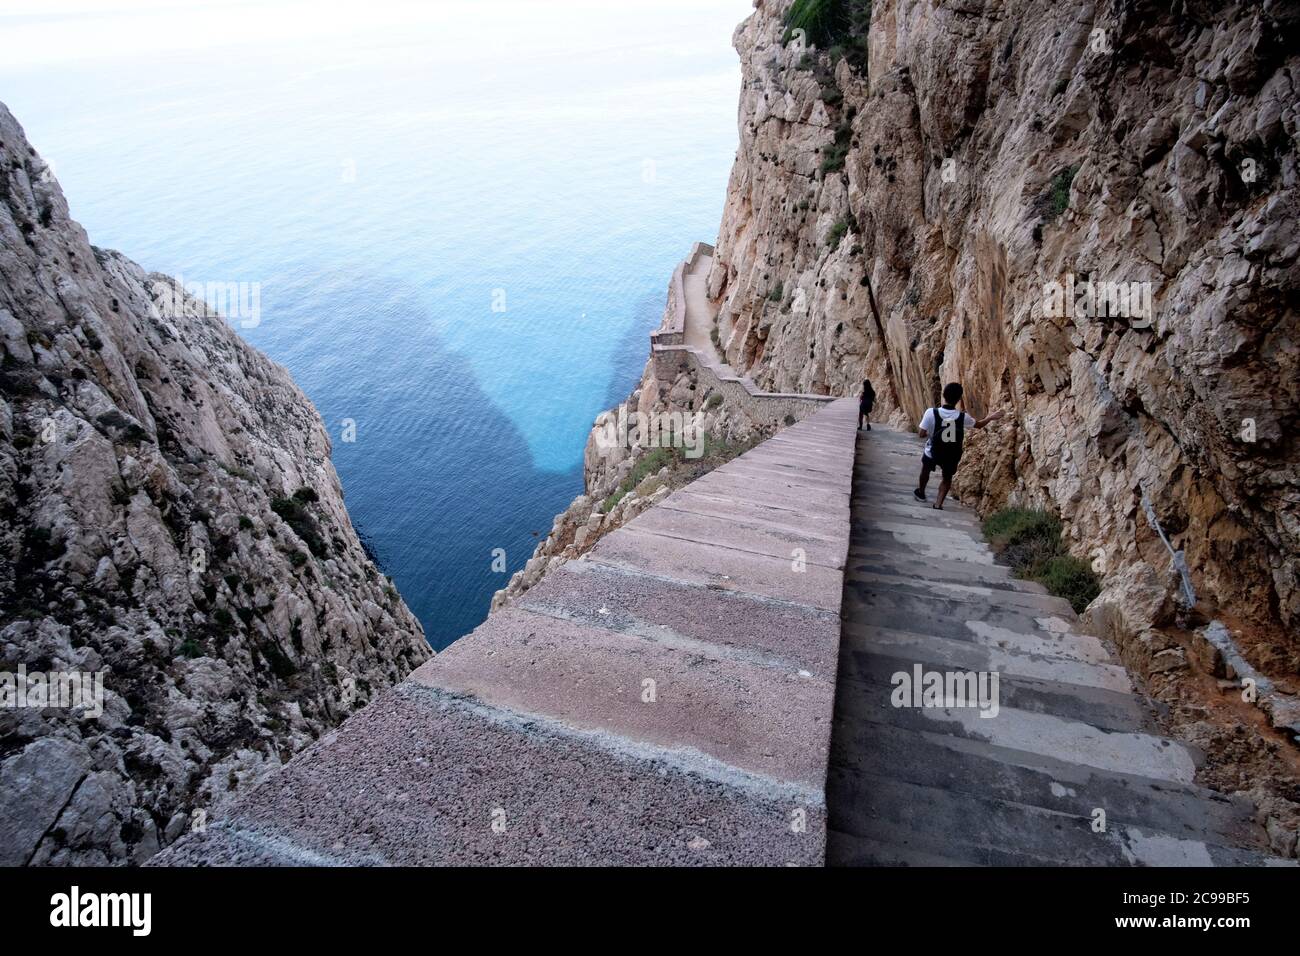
(666, 699)
(945, 786)
(669, 698)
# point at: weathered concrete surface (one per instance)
(666, 699)
(942, 785)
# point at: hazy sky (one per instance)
(42, 33)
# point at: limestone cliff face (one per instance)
(988, 149)
(149, 532)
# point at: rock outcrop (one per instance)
(170, 521)
(916, 211)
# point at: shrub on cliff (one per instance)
(649, 463)
(1056, 198)
(296, 516)
(1030, 541)
(838, 25)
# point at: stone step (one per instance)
(900, 493)
(925, 543)
(945, 786)
(767, 720)
(419, 777)
(870, 541)
(947, 618)
(737, 534)
(909, 509)
(979, 830)
(902, 561)
(722, 568)
(1038, 642)
(693, 618)
(692, 500)
(908, 455)
(898, 472)
(972, 767)
(1071, 741)
(945, 592)
(914, 532)
(848, 849)
(1103, 707)
(979, 655)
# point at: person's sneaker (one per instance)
(918, 494)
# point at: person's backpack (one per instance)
(945, 445)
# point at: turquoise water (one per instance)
(462, 219)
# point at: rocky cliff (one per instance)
(171, 522)
(1086, 213)
(976, 154)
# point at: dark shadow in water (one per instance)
(633, 349)
(437, 477)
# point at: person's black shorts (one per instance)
(928, 465)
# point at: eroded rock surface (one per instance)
(170, 518)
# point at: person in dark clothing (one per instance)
(864, 405)
(943, 428)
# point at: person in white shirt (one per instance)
(943, 441)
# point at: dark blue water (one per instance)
(388, 174)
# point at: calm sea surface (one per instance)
(462, 218)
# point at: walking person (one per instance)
(946, 423)
(865, 404)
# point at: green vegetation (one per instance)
(836, 233)
(649, 463)
(833, 160)
(117, 422)
(41, 547)
(281, 665)
(776, 292)
(295, 514)
(713, 452)
(713, 401)
(841, 24)
(1057, 197)
(1030, 541)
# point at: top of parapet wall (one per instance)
(666, 699)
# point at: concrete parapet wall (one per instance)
(665, 699)
(777, 408)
